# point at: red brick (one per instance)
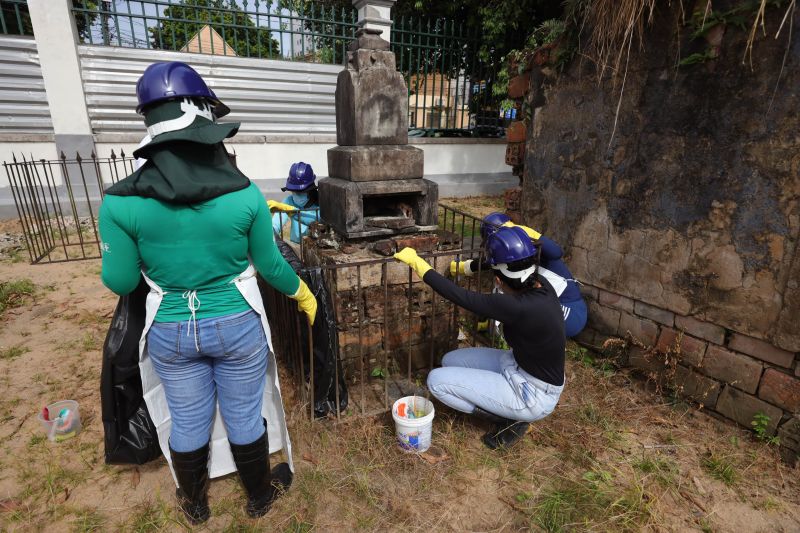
(421, 243)
(515, 153)
(516, 132)
(511, 198)
(698, 328)
(643, 330)
(696, 386)
(616, 301)
(761, 350)
(518, 85)
(736, 369)
(743, 408)
(662, 316)
(689, 349)
(781, 389)
(603, 319)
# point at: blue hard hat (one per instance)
(174, 79)
(301, 177)
(492, 223)
(508, 245)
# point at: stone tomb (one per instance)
(375, 185)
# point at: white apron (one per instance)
(221, 459)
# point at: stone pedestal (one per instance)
(374, 163)
(350, 206)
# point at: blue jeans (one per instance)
(492, 380)
(230, 365)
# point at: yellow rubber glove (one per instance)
(409, 256)
(459, 267)
(280, 206)
(306, 301)
(532, 233)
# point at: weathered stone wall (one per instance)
(686, 223)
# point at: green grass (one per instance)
(721, 467)
(14, 293)
(12, 352)
(88, 520)
(151, 516)
(663, 470)
(597, 499)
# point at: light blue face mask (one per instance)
(300, 199)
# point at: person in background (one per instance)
(197, 229)
(510, 387)
(302, 185)
(572, 303)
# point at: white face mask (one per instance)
(300, 198)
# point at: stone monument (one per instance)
(375, 185)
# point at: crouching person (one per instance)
(509, 387)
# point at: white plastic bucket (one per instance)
(64, 422)
(413, 432)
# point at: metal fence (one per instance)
(15, 18)
(449, 82)
(57, 202)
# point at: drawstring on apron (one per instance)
(193, 302)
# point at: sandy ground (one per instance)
(613, 457)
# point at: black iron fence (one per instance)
(15, 18)
(449, 81)
(57, 202)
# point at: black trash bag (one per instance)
(130, 435)
(326, 341)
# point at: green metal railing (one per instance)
(14, 18)
(447, 79)
(449, 82)
(249, 28)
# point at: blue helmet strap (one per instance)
(190, 112)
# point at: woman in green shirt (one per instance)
(193, 224)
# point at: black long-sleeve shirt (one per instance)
(533, 323)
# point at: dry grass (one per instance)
(615, 25)
(614, 456)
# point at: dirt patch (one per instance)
(612, 457)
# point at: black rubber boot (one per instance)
(506, 434)
(262, 485)
(491, 417)
(191, 469)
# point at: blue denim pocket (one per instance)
(241, 336)
(163, 341)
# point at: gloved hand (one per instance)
(532, 233)
(306, 301)
(463, 268)
(280, 206)
(409, 256)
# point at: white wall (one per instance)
(461, 167)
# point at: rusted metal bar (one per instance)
(360, 306)
(385, 272)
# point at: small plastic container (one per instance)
(65, 420)
(413, 430)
